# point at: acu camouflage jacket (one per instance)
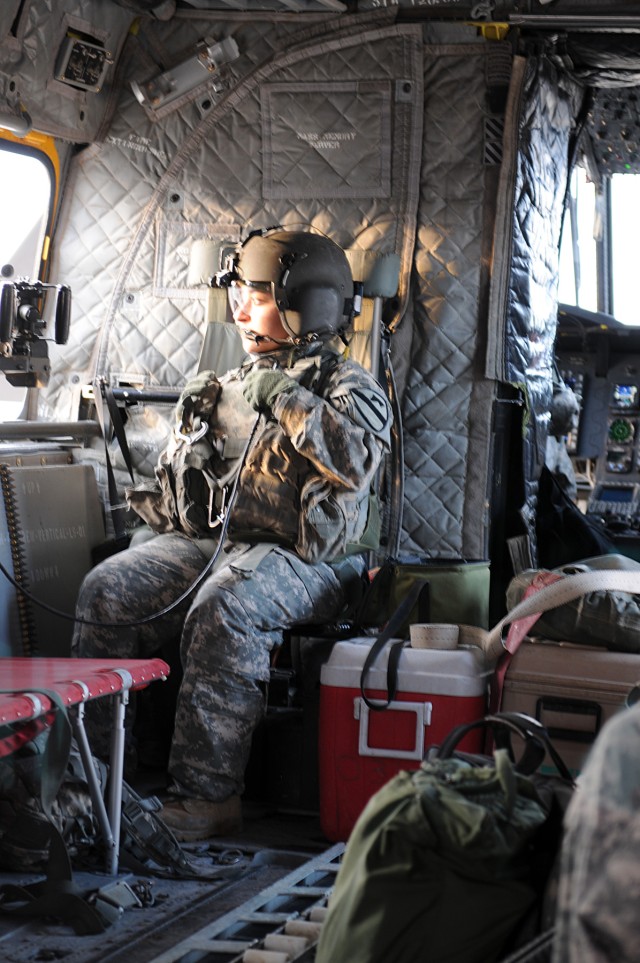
(306, 480)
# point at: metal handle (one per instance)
(422, 712)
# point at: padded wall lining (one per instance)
(192, 171)
(523, 315)
(447, 407)
(326, 140)
(153, 190)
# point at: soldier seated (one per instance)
(298, 525)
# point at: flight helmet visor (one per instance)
(307, 274)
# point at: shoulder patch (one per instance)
(370, 409)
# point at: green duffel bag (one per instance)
(454, 590)
(449, 864)
(607, 618)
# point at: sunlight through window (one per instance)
(25, 198)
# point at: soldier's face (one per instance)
(257, 319)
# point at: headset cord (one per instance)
(187, 592)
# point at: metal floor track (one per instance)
(285, 918)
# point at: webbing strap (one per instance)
(117, 509)
(118, 427)
(56, 752)
(57, 895)
(400, 616)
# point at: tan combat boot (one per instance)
(194, 819)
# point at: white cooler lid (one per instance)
(457, 672)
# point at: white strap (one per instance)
(567, 588)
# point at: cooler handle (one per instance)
(423, 712)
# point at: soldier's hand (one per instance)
(198, 397)
(262, 386)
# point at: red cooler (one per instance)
(361, 748)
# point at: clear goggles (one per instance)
(241, 292)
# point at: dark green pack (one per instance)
(25, 837)
(48, 825)
(454, 590)
(447, 864)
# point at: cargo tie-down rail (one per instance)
(283, 922)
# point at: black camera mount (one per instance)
(24, 356)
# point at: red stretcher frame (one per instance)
(27, 709)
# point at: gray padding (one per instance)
(222, 348)
(378, 272)
(204, 261)
(153, 199)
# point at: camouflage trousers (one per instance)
(598, 918)
(227, 630)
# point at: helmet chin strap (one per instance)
(258, 338)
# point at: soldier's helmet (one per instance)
(307, 274)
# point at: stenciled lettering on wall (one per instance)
(62, 533)
(45, 573)
(326, 140)
(137, 143)
(329, 140)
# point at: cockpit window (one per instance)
(625, 215)
(581, 231)
(26, 194)
(598, 261)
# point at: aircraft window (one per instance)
(625, 211)
(26, 186)
(578, 249)
(599, 242)
(25, 197)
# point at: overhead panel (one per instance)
(65, 88)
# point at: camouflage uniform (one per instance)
(257, 587)
(598, 919)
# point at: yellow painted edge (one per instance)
(44, 144)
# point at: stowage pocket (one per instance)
(322, 524)
(364, 534)
(178, 499)
(154, 502)
(336, 523)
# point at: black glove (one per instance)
(262, 386)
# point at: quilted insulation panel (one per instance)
(447, 407)
(368, 130)
(523, 306)
(341, 152)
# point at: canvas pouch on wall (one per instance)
(455, 590)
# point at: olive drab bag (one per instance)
(450, 863)
(606, 615)
(453, 590)
(48, 824)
